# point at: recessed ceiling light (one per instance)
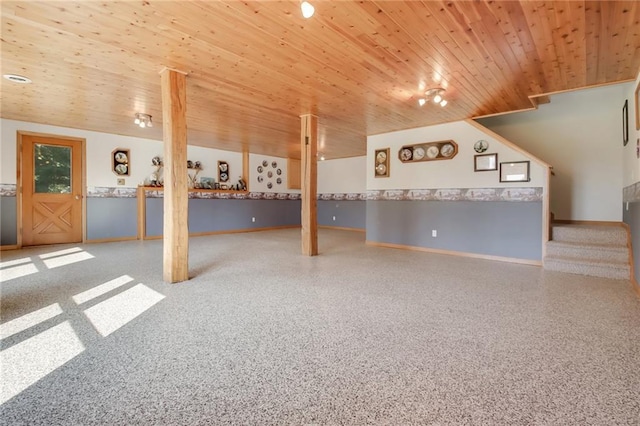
(17, 78)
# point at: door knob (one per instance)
(78, 197)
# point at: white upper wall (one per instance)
(631, 152)
(455, 173)
(98, 155)
(580, 134)
(342, 176)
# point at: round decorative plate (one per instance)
(224, 177)
(418, 153)
(269, 185)
(269, 173)
(406, 154)
(265, 163)
(278, 172)
(260, 178)
(259, 169)
(381, 157)
(279, 181)
(274, 164)
(481, 146)
(121, 169)
(381, 169)
(223, 167)
(447, 150)
(432, 151)
(121, 157)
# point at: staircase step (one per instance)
(589, 234)
(594, 268)
(606, 252)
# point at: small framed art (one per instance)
(485, 162)
(514, 171)
(382, 163)
(625, 123)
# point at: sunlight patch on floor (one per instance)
(60, 252)
(29, 320)
(101, 289)
(28, 362)
(115, 312)
(14, 262)
(68, 259)
(17, 268)
(17, 272)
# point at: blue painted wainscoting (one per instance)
(8, 220)
(347, 213)
(502, 224)
(217, 215)
(631, 216)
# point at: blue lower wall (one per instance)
(8, 221)
(210, 215)
(112, 218)
(347, 213)
(631, 216)
(495, 228)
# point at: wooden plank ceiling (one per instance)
(255, 66)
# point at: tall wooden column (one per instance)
(309, 183)
(176, 192)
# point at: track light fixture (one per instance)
(307, 9)
(436, 95)
(143, 120)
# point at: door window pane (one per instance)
(52, 169)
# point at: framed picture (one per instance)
(514, 171)
(625, 122)
(120, 162)
(485, 162)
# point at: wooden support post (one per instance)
(309, 187)
(176, 191)
(245, 168)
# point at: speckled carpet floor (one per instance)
(262, 335)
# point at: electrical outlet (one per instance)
(334, 218)
(253, 219)
(120, 181)
(434, 233)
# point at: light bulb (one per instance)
(142, 124)
(137, 120)
(150, 124)
(421, 101)
(307, 9)
(443, 103)
(437, 99)
(322, 158)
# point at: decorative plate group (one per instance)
(264, 170)
(442, 150)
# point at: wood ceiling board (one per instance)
(255, 67)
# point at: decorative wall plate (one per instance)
(406, 154)
(447, 150)
(433, 151)
(418, 153)
(481, 146)
(121, 157)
